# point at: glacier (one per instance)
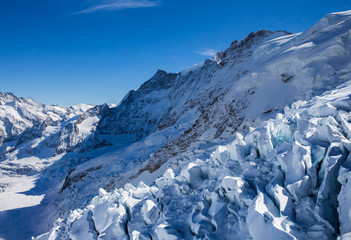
(252, 144)
(281, 180)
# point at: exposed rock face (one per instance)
(140, 111)
(76, 135)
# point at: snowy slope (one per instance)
(279, 181)
(197, 123)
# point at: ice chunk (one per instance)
(166, 179)
(147, 210)
(281, 132)
(344, 120)
(326, 206)
(324, 111)
(317, 154)
(300, 188)
(306, 128)
(238, 148)
(305, 212)
(283, 201)
(107, 214)
(232, 188)
(263, 220)
(344, 208)
(142, 191)
(328, 133)
(82, 228)
(166, 232)
(192, 174)
(261, 139)
(294, 163)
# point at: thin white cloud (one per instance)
(121, 4)
(208, 52)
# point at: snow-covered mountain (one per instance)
(251, 144)
(19, 114)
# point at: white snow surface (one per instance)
(13, 198)
(278, 181)
(254, 146)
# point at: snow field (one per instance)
(279, 181)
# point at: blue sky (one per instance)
(72, 51)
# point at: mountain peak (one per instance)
(160, 72)
(161, 80)
(6, 97)
(330, 22)
(254, 38)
